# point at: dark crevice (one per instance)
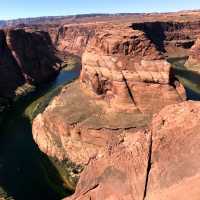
(148, 168)
(155, 31)
(92, 188)
(128, 88)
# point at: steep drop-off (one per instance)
(193, 63)
(101, 121)
(25, 57)
(124, 81)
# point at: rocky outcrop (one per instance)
(25, 57)
(34, 53)
(10, 73)
(75, 37)
(77, 127)
(159, 163)
(125, 68)
(175, 169)
(124, 81)
(193, 62)
(173, 37)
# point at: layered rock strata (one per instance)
(125, 68)
(193, 62)
(124, 81)
(25, 57)
(75, 37)
(175, 38)
(159, 163)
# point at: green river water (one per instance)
(23, 174)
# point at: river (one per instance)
(22, 172)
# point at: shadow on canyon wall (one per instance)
(155, 31)
(22, 166)
(160, 33)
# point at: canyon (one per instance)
(126, 128)
(26, 57)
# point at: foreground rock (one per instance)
(161, 163)
(25, 57)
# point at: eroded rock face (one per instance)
(34, 53)
(75, 126)
(175, 38)
(25, 57)
(193, 63)
(10, 73)
(124, 81)
(74, 38)
(125, 68)
(160, 163)
(175, 169)
(120, 173)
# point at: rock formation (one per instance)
(159, 163)
(174, 38)
(125, 68)
(11, 76)
(124, 81)
(74, 38)
(193, 63)
(101, 121)
(25, 57)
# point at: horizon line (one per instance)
(101, 13)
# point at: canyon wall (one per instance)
(124, 81)
(25, 57)
(193, 62)
(125, 68)
(74, 38)
(174, 38)
(101, 121)
(125, 117)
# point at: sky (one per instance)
(12, 9)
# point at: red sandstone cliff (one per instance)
(75, 37)
(193, 62)
(124, 67)
(102, 121)
(25, 57)
(124, 81)
(10, 73)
